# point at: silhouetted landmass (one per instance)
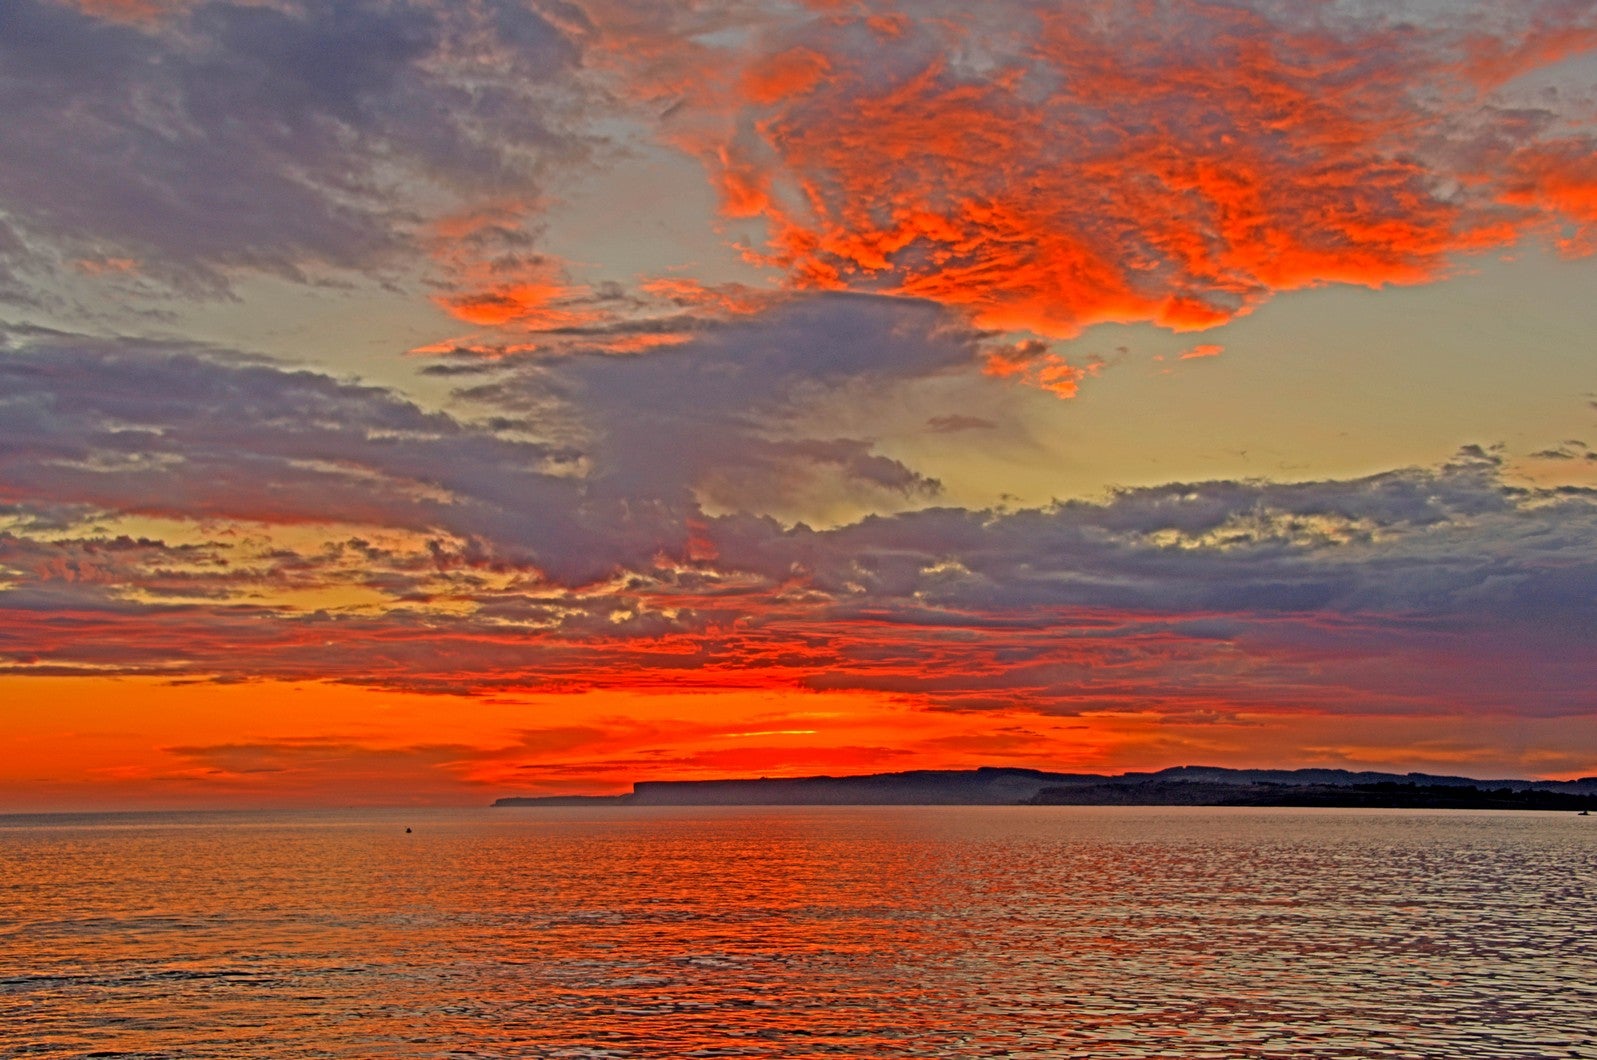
(1178, 786)
(566, 800)
(1384, 794)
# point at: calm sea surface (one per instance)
(853, 932)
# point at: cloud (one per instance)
(295, 526)
(1035, 363)
(184, 432)
(577, 467)
(722, 417)
(221, 139)
(643, 489)
(689, 485)
(953, 424)
(318, 529)
(1569, 449)
(1049, 168)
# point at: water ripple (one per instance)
(940, 932)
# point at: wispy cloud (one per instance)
(211, 141)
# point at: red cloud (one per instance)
(1047, 169)
(784, 75)
(1562, 176)
(1032, 362)
(500, 304)
(493, 278)
(131, 10)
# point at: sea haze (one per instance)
(662, 932)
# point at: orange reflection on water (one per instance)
(840, 931)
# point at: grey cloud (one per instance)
(1568, 449)
(1412, 540)
(722, 417)
(1060, 610)
(579, 562)
(128, 426)
(1398, 591)
(266, 137)
(952, 424)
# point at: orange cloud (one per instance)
(732, 299)
(494, 306)
(131, 10)
(493, 277)
(1561, 176)
(783, 75)
(1033, 363)
(1049, 169)
(1207, 349)
(1491, 60)
(107, 266)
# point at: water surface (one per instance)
(867, 932)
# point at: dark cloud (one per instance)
(187, 433)
(1568, 449)
(722, 418)
(284, 138)
(953, 424)
(581, 465)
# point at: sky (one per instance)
(410, 401)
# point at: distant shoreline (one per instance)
(1177, 786)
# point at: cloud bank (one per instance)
(320, 529)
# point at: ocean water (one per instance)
(876, 932)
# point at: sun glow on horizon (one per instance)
(545, 398)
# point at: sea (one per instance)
(868, 932)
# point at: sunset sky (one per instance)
(433, 400)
